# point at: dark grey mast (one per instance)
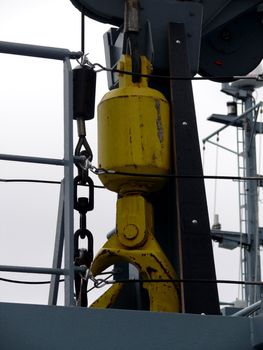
(250, 237)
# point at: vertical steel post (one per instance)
(252, 256)
(58, 249)
(68, 183)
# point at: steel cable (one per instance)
(168, 77)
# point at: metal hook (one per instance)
(82, 142)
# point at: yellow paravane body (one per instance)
(134, 138)
(133, 133)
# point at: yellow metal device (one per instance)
(133, 132)
(134, 137)
(134, 243)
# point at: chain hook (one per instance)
(82, 142)
(82, 257)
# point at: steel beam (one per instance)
(29, 269)
(248, 310)
(234, 121)
(36, 160)
(53, 53)
(38, 270)
(193, 229)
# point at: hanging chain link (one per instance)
(83, 205)
(84, 91)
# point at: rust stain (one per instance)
(130, 135)
(150, 270)
(159, 121)
(142, 145)
(141, 126)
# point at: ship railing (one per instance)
(65, 223)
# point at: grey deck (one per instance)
(37, 327)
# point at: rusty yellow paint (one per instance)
(145, 254)
(133, 133)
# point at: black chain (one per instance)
(83, 205)
(84, 91)
(83, 256)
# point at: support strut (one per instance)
(194, 241)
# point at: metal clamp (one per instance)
(134, 243)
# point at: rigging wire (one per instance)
(100, 171)
(31, 181)
(206, 281)
(27, 282)
(48, 282)
(169, 77)
(39, 181)
(82, 32)
(101, 282)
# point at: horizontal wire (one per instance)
(47, 282)
(222, 177)
(101, 171)
(26, 282)
(205, 281)
(40, 181)
(106, 281)
(31, 181)
(167, 77)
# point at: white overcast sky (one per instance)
(31, 114)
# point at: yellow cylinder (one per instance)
(133, 133)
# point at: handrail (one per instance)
(54, 53)
(67, 224)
